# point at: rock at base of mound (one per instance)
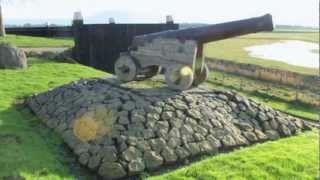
(119, 131)
(11, 57)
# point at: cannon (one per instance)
(178, 53)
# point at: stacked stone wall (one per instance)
(120, 132)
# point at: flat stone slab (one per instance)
(119, 131)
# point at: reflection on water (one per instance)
(290, 51)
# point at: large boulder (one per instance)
(11, 57)
(118, 131)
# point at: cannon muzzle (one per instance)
(214, 32)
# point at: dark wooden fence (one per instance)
(99, 45)
(59, 31)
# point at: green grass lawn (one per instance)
(232, 49)
(35, 42)
(291, 158)
(34, 152)
(26, 149)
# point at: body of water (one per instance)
(293, 52)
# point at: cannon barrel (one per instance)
(214, 32)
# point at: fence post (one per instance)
(169, 19)
(76, 27)
(112, 21)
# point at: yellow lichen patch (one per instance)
(97, 122)
(85, 128)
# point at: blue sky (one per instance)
(291, 12)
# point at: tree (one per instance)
(2, 28)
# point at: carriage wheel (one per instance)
(125, 68)
(179, 77)
(201, 76)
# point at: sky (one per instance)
(289, 12)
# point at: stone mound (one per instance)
(120, 132)
(11, 57)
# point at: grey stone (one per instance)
(198, 137)
(112, 170)
(81, 148)
(176, 122)
(187, 138)
(244, 126)
(223, 97)
(250, 136)
(129, 105)
(182, 153)
(169, 155)
(207, 148)
(213, 141)
(108, 154)
(11, 57)
(174, 142)
(157, 144)
(94, 162)
(162, 125)
(167, 115)
(228, 141)
(216, 124)
(260, 134)
(251, 112)
(242, 107)
(266, 125)
(201, 130)
(272, 135)
(180, 105)
(298, 122)
(262, 116)
(186, 130)
(131, 153)
(244, 116)
(174, 132)
(143, 145)
(284, 130)
(274, 124)
(136, 166)
(152, 160)
(84, 158)
(153, 117)
(194, 113)
(168, 108)
(153, 109)
(162, 133)
(193, 148)
(132, 141)
(147, 134)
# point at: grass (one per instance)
(232, 49)
(34, 152)
(36, 42)
(301, 103)
(282, 159)
(25, 149)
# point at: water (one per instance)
(293, 52)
